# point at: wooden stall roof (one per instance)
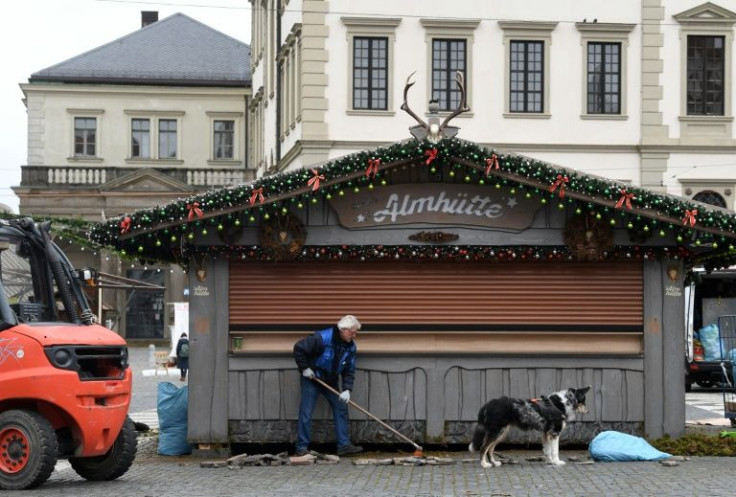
(173, 232)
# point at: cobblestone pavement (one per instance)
(157, 476)
(161, 476)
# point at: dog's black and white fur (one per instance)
(548, 414)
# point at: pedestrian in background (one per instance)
(182, 356)
(329, 355)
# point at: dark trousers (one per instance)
(310, 393)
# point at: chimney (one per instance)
(148, 17)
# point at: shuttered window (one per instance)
(536, 295)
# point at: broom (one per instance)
(418, 452)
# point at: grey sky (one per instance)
(36, 34)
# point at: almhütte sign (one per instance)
(436, 203)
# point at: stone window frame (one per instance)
(707, 19)
(236, 118)
(86, 113)
(527, 31)
(605, 33)
(724, 188)
(289, 60)
(154, 117)
(451, 29)
(374, 27)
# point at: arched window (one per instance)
(710, 197)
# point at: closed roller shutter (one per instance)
(499, 307)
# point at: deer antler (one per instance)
(405, 105)
(463, 107)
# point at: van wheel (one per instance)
(113, 464)
(28, 448)
(705, 383)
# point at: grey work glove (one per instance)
(308, 373)
(345, 396)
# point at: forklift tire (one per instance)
(28, 447)
(113, 464)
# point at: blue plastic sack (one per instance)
(616, 446)
(709, 338)
(172, 404)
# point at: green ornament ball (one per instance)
(544, 201)
(237, 222)
(141, 248)
(158, 243)
(578, 211)
(220, 227)
(252, 219)
(612, 222)
(190, 236)
(630, 225)
(204, 232)
(173, 238)
(560, 206)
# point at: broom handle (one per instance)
(364, 411)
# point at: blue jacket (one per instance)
(329, 356)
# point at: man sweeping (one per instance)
(329, 355)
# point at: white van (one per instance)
(708, 297)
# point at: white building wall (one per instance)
(51, 112)
(644, 145)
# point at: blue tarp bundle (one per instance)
(616, 446)
(172, 419)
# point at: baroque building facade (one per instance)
(640, 92)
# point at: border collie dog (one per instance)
(548, 414)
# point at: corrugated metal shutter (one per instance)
(543, 296)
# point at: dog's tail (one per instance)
(478, 436)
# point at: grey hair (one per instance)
(349, 322)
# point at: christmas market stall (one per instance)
(476, 273)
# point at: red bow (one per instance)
(690, 217)
(194, 210)
(256, 195)
(372, 167)
(626, 198)
(125, 225)
(491, 163)
(314, 180)
(431, 155)
(561, 182)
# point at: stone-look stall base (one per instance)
(456, 432)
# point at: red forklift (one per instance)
(65, 383)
